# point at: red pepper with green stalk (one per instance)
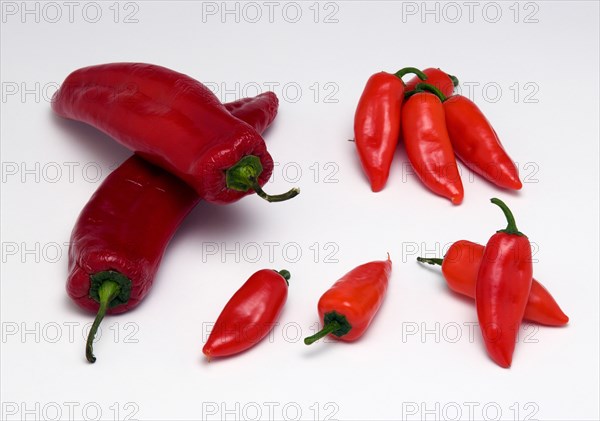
(249, 315)
(174, 122)
(460, 267)
(377, 123)
(436, 77)
(348, 307)
(476, 143)
(503, 288)
(122, 232)
(427, 142)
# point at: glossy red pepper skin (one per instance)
(258, 111)
(353, 301)
(460, 268)
(428, 146)
(477, 145)
(249, 315)
(169, 119)
(377, 126)
(436, 77)
(124, 229)
(503, 287)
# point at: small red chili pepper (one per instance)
(174, 122)
(428, 145)
(249, 315)
(476, 143)
(436, 77)
(460, 267)
(349, 306)
(377, 123)
(121, 234)
(503, 287)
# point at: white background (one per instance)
(534, 72)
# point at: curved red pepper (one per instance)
(349, 306)
(173, 121)
(377, 124)
(503, 287)
(428, 145)
(476, 143)
(436, 77)
(121, 234)
(249, 315)
(460, 267)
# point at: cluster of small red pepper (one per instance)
(434, 125)
(347, 308)
(500, 278)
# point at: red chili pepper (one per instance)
(349, 306)
(377, 123)
(173, 121)
(249, 315)
(428, 145)
(436, 77)
(122, 232)
(476, 143)
(460, 267)
(503, 287)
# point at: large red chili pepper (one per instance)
(460, 267)
(503, 287)
(122, 232)
(249, 315)
(349, 306)
(438, 78)
(173, 121)
(428, 145)
(377, 123)
(476, 143)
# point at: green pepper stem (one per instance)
(107, 292)
(410, 93)
(432, 261)
(511, 228)
(454, 80)
(276, 197)
(413, 70)
(327, 329)
(432, 89)
(285, 274)
(243, 176)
